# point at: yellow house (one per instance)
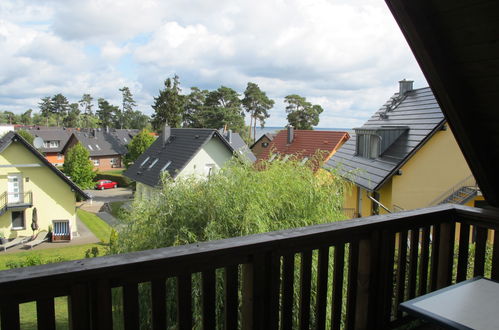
(404, 157)
(29, 185)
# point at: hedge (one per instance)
(123, 181)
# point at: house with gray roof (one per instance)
(106, 147)
(179, 152)
(404, 157)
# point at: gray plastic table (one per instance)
(471, 304)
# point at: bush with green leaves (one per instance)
(140, 143)
(78, 166)
(238, 200)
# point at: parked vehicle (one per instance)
(105, 184)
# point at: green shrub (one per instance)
(33, 260)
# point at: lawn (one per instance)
(100, 228)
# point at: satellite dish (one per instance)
(38, 142)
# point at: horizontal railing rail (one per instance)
(348, 274)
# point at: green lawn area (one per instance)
(100, 228)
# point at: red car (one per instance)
(105, 184)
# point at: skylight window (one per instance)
(285, 158)
(97, 146)
(303, 161)
(145, 161)
(166, 166)
(90, 147)
(272, 157)
(153, 162)
(125, 139)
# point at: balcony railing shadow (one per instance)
(349, 274)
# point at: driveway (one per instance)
(110, 195)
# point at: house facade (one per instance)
(32, 187)
(179, 153)
(404, 157)
(54, 140)
(106, 147)
(262, 144)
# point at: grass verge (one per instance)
(96, 225)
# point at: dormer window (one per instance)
(368, 145)
(372, 142)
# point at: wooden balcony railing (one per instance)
(349, 274)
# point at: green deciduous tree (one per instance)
(302, 114)
(60, 107)
(222, 107)
(26, 117)
(78, 166)
(106, 113)
(257, 104)
(138, 145)
(169, 105)
(86, 104)
(26, 135)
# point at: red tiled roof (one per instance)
(306, 143)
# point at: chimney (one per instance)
(167, 131)
(229, 136)
(405, 86)
(107, 129)
(94, 131)
(291, 134)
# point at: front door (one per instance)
(14, 188)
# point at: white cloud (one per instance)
(346, 56)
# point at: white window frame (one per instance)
(54, 144)
(96, 162)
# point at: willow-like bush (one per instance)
(240, 199)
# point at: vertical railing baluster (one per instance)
(288, 275)
(9, 314)
(184, 301)
(45, 313)
(231, 297)
(101, 305)
(208, 295)
(423, 263)
(445, 255)
(401, 267)
(322, 280)
(464, 245)
(495, 257)
(305, 287)
(131, 306)
(385, 277)
(435, 250)
(273, 288)
(79, 307)
(353, 266)
(158, 300)
(413, 263)
(480, 246)
(338, 271)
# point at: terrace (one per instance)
(351, 274)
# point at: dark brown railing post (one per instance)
(78, 307)
(367, 281)
(445, 255)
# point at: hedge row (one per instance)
(122, 180)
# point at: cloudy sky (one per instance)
(346, 55)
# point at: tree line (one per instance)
(200, 108)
